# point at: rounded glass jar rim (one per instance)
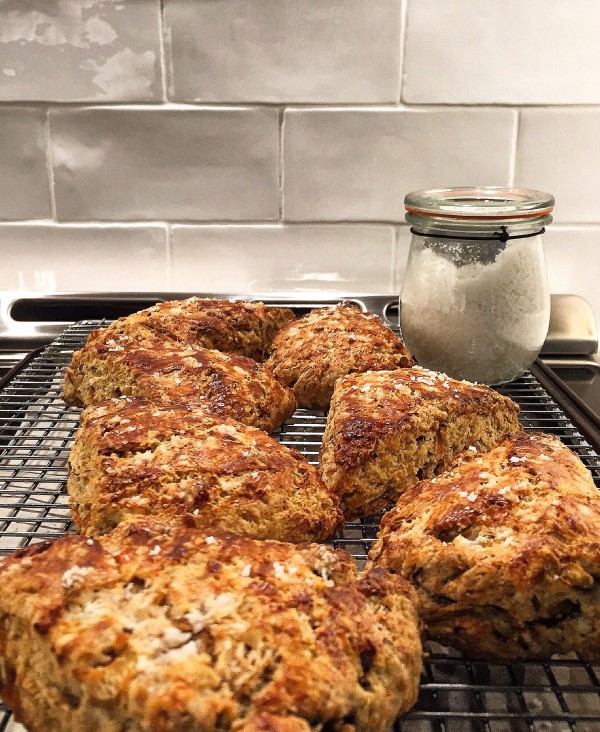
(479, 204)
(477, 229)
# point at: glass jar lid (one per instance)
(485, 203)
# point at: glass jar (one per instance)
(475, 302)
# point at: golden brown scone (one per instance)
(504, 551)
(224, 384)
(311, 353)
(244, 328)
(170, 629)
(134, 457)
(389, 429)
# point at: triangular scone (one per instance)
(132, 456)
(311, 353)
(244, 328)
(222, 383)
(504, 551)
(389, 429)
(159, 627)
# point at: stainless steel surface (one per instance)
(9, 360)
(572, 328)
(36, 432)
(582, 377)
(28, 320)
(586, 364)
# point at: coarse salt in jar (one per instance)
(475, 302)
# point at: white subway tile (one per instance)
(175, 164)
(502, 51)
(573, 262)
(24, 190)
(297, 259)
(558, 152)
(284, 50)
(359, 164)
(78, 258)
(78, 51)
(403, 240)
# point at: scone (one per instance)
(389, 429)
(504, 552)
(244, 328)
(311, 353)
(164, 628)
(132, 456)
(222, 383)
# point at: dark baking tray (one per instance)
(36, 432)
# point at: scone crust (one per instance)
(112, 365)
(311, 353)
(132, 456)
(243, 328)
(386, 430)
(504, 551)
(169, 629)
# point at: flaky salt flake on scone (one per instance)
(243, 328)
(311, 353)
(389, 429)
(162, 627)
(222, 383)
(504, 551)
(132, 456)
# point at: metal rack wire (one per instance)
(36, 432)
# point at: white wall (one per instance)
(268, 144)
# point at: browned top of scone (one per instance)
(368, 406)
(514, 533)
(226, 384)
(167, 623)
(244, 328)
(309, 354)
(134, 456)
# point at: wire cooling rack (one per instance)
(36, 433)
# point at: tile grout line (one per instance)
(162, 45)
(169, 253)
(228, 224)
(394, 282)
(514, 149)
(402, 58)
(351, 106)
(281, 124)
(50, 168)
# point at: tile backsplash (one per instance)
(115, 164)
(267, 145)
(80, 50)
(284, 51)
(357, 165)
